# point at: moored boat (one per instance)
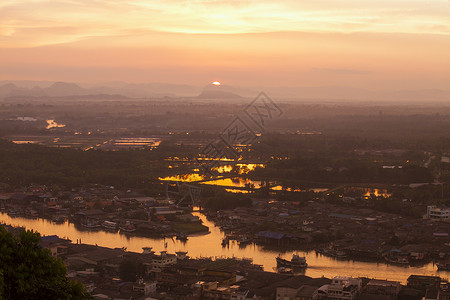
(182, 236)
(295, 262)
(89, 223)
(243, 241)
(283, 270)
(445, 266)
(109, 225)
(127, 227)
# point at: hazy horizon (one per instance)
(394, 45)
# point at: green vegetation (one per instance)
(225, 200)
(130, 269)
(22, 165)
(190, 227)
(27, 271)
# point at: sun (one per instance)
(215, 83)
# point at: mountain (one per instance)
(218, 95)
(212, 91)
(61, 89)
(10, 89)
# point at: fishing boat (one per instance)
(445, 266)
(283, 270)
(59, 219)
(182, 236)
(89, 223)
(243, 241)
(225, 242)
(295, 262)
(147, 250)
(127, 227)
(13, 212)
(109, 225)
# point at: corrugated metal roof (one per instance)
(271, 235)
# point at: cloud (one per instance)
(342, 71)
(109, 18)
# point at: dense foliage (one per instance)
(130, 269)
(22, 165)
(27, 271)
(224, 200)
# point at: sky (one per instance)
(370, 44)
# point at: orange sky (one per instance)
(374, 44)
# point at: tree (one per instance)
(130, 269)
(28, 271)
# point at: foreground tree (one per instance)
(27, 271)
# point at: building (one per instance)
(438, 213)
(56, 245)
(306, 292)
(286, 293)
(382, 288)
(341, 287)
(163, 260)
(422, 282)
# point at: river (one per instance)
(209, 245)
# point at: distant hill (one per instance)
(38, 89)
(218, 95)
(58, 89)
(102, 97)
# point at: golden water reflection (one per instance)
(209, 245)
(53, 124)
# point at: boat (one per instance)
(147, 250)
(283, 270)
(89, 223)
(59, 219)
(12, 212)
(295, 262)
(397, 257)
(332, 253)
(127, 227)
(109, 225)
(225, 242)
(243, 241)
(182, 236)
(444, 266)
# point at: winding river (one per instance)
(209, 245)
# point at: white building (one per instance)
(438, 213)
(163, 260)
(344, 288)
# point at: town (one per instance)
(340, 232)
(119, 274)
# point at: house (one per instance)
(422, 282)
(287, 292)
(148, 288)
(220, 292)
(56, 245)
(306, 292)
(163, 260)
(387, 289)
(341, 287)
(438, 213)
(268, 237)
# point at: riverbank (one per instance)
(208, 245)
(107, 209)
(107, 274)
(345, 233)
